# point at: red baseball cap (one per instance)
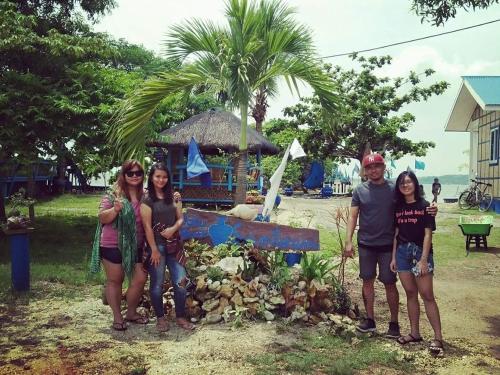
(372, 159)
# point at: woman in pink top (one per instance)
(121, 245)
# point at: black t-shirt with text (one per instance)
(412, 219)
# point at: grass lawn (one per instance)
(61, 243)
(323, 353)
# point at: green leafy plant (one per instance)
(249, 270)
(315, 268)
(229, 249)
(280, 277)
(215, 273)
(15, 218)
(18, 200)
(278, 270)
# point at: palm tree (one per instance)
(235, 59)
(294, 41)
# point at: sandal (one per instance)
(139, 319)
(185, 324)
(436, 346)
(162, 325)
(403, 340)
(117, 326)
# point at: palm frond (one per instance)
(198, 37)
(129, 130)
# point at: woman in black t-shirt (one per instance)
(412, 257)
(162, 219)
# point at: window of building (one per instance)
(494, 145)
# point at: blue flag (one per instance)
(196, 166)
(419, 164)
(355, 169)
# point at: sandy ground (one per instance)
(56, 335)
(309, 212)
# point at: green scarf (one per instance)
(127, 240)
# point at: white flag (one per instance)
(275, 181)
(296, 150)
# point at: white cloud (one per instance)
(419, 58)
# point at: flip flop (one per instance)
(436, 346)
(188, 326)
(117, 326)
(403, 340)
(162, 326)
(138, 320)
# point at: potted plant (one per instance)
(15, 219)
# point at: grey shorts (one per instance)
(368, 260)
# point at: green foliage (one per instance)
(315, 268)
(293, 170)
(60, 83)
(249, 270)
(260, 43)
(278, 270)
(232, 248)
(317, 353)
(18, 200)
(438, 12)
(215, 273)
(368, 113)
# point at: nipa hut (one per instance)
(214, 131)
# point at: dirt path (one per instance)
(71, 335)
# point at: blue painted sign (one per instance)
(215, 229)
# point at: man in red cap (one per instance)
(373, 202)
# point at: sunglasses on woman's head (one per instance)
(134, 173)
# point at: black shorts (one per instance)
(114, 255)
(368, 260)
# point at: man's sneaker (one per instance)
(393, 332)
(368, 325)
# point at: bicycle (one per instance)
(476, 196)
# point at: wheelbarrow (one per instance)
(476, 228)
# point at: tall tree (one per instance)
(439, 11)
(295, 41)
(59, 87)
(226, 59)
(370, 113)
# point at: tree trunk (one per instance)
(241, 178)
(31, 185)
(241, 169)
(3, 216)
(259, 110)
(61, 170)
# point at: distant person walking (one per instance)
(436, 189)
(412, 258)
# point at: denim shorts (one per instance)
(408, 255)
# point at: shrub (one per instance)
(315, 268)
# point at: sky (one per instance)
(340, 26)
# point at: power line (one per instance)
(411, 40)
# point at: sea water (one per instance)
(447, 191)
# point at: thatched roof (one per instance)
(212, 130)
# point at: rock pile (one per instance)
(211, 301)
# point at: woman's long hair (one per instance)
(398, 196)
(167, 189)
(121, 188)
